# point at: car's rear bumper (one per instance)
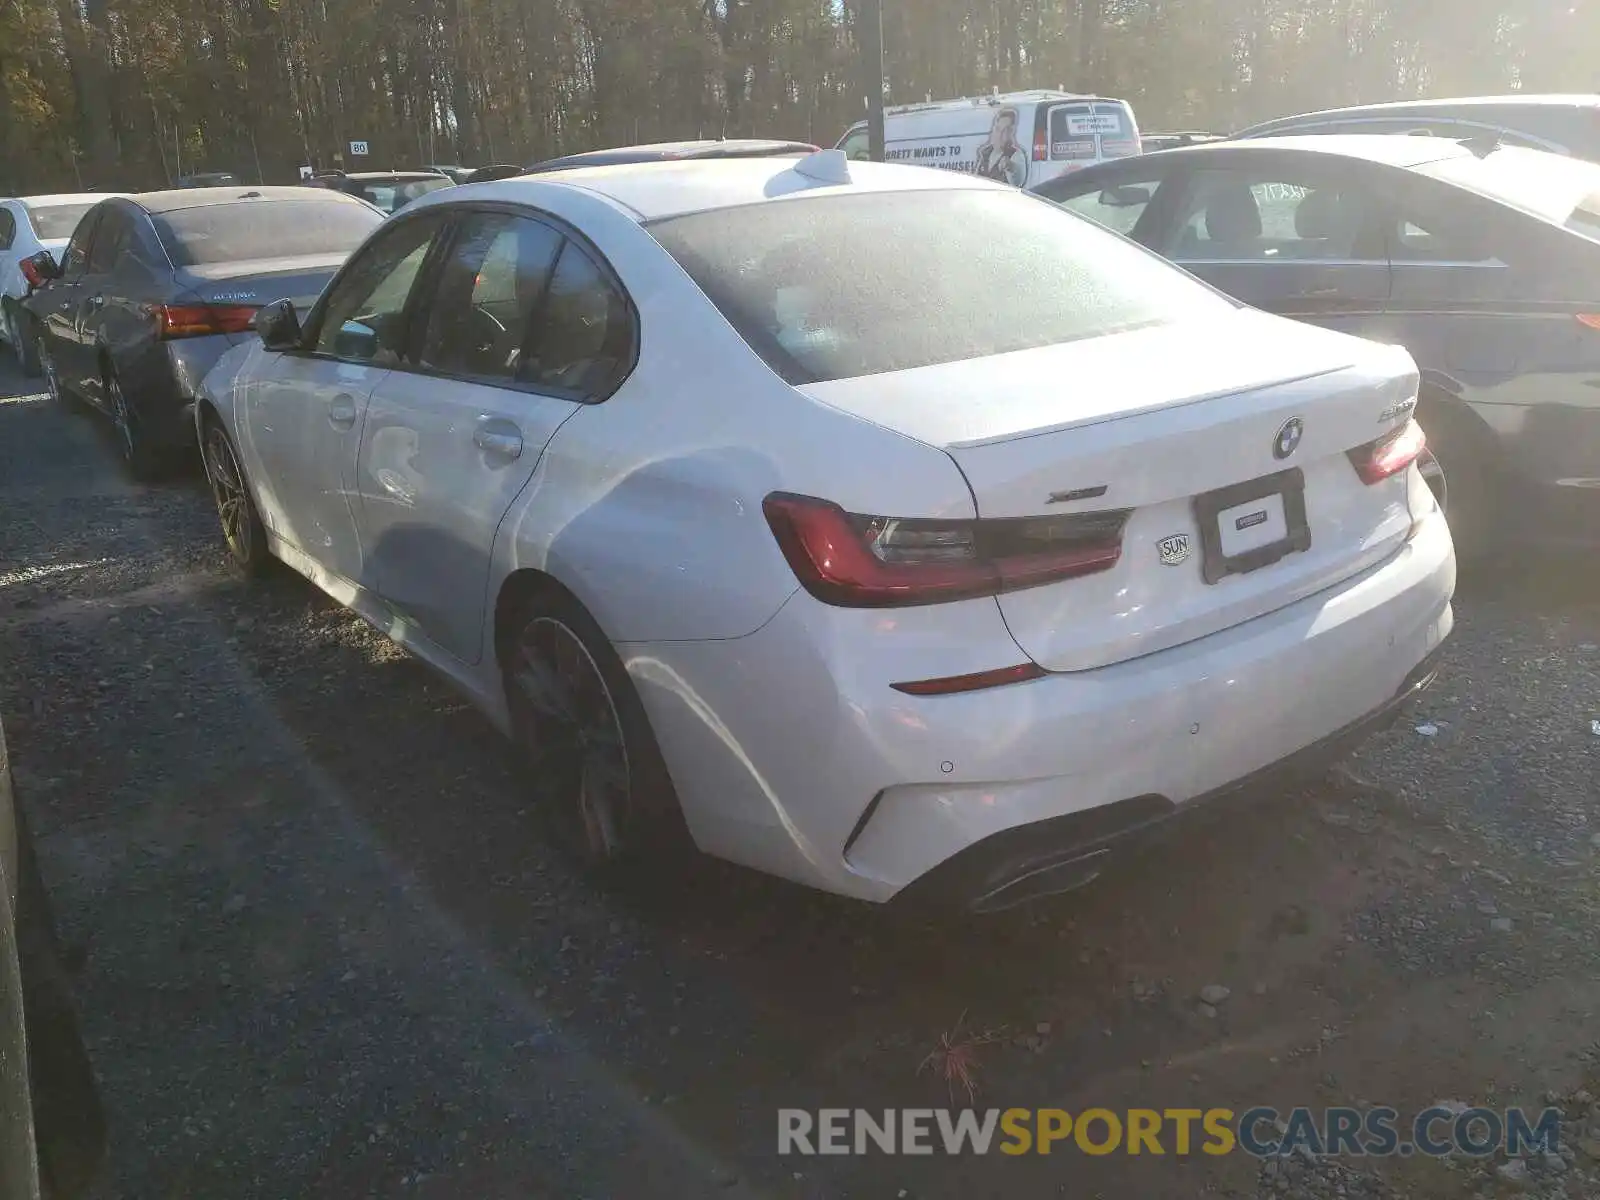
(792, 754)
(1056, 855)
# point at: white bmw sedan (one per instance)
(875, 526)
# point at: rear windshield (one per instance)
(838, 286)
(391, 197)
(1553, 186)
(248, 229)
(1088, 131)
(52, 221)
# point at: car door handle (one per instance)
(1318, 293)
(499, 437)
(342, 411)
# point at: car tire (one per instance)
(582, 734)
(242, 529)
(1464, 478)
(46, 360)
(146, 463)
(20, 339)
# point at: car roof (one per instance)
(1394, 150)
(735, 148)
(173, 199)
(653, 190)
(703, 148)
(1402, 107)
(370, 176)
(62, 198)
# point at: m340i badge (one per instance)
(1173, 548)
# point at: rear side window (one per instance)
(839, 286)
(1085, 132)
(8, 228)
(582, 339)
(53, 221)
(250, 229)
(1555, 187)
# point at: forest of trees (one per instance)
(131, 93)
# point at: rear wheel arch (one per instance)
(519, 591)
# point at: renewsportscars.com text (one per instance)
(1261, 1132)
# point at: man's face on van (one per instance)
(1005, 131)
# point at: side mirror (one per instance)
(279, 326)
(1128, 195)
(355, 340)
(40, 268)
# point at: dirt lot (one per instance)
(323, 953)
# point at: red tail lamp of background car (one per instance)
(201, 320)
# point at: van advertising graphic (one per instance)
(1001, 157)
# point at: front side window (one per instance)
(364, 319)
(832, 287)
(1117, 206)
(856, 145)
(1243, 216)
(8, 228)
(494, 278)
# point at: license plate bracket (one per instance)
(1286, 487)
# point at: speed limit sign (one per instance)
(358, 149)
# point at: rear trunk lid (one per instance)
(261, 281)
(1212, 436)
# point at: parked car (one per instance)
(52, 1125)
(151, 289)
(1482, 261)
(388, 190)
(669, 152)
(1019, 138)
(209, 179)
(749, 497)
(1560, 124)
(1151, 142)
(28, 225)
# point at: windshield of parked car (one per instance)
(391, 197)
(840, 286)
(249, 229)
(54, 221)
(1553, 186)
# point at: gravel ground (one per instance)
(322, 950)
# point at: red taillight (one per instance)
(1592, 320)
(30, 272)
(1390, 454)
(856, 561)
(1041, 135)
(977, 681)
(199, 320)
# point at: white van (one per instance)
(1020, 138)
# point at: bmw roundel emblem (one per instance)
(1288, 439)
